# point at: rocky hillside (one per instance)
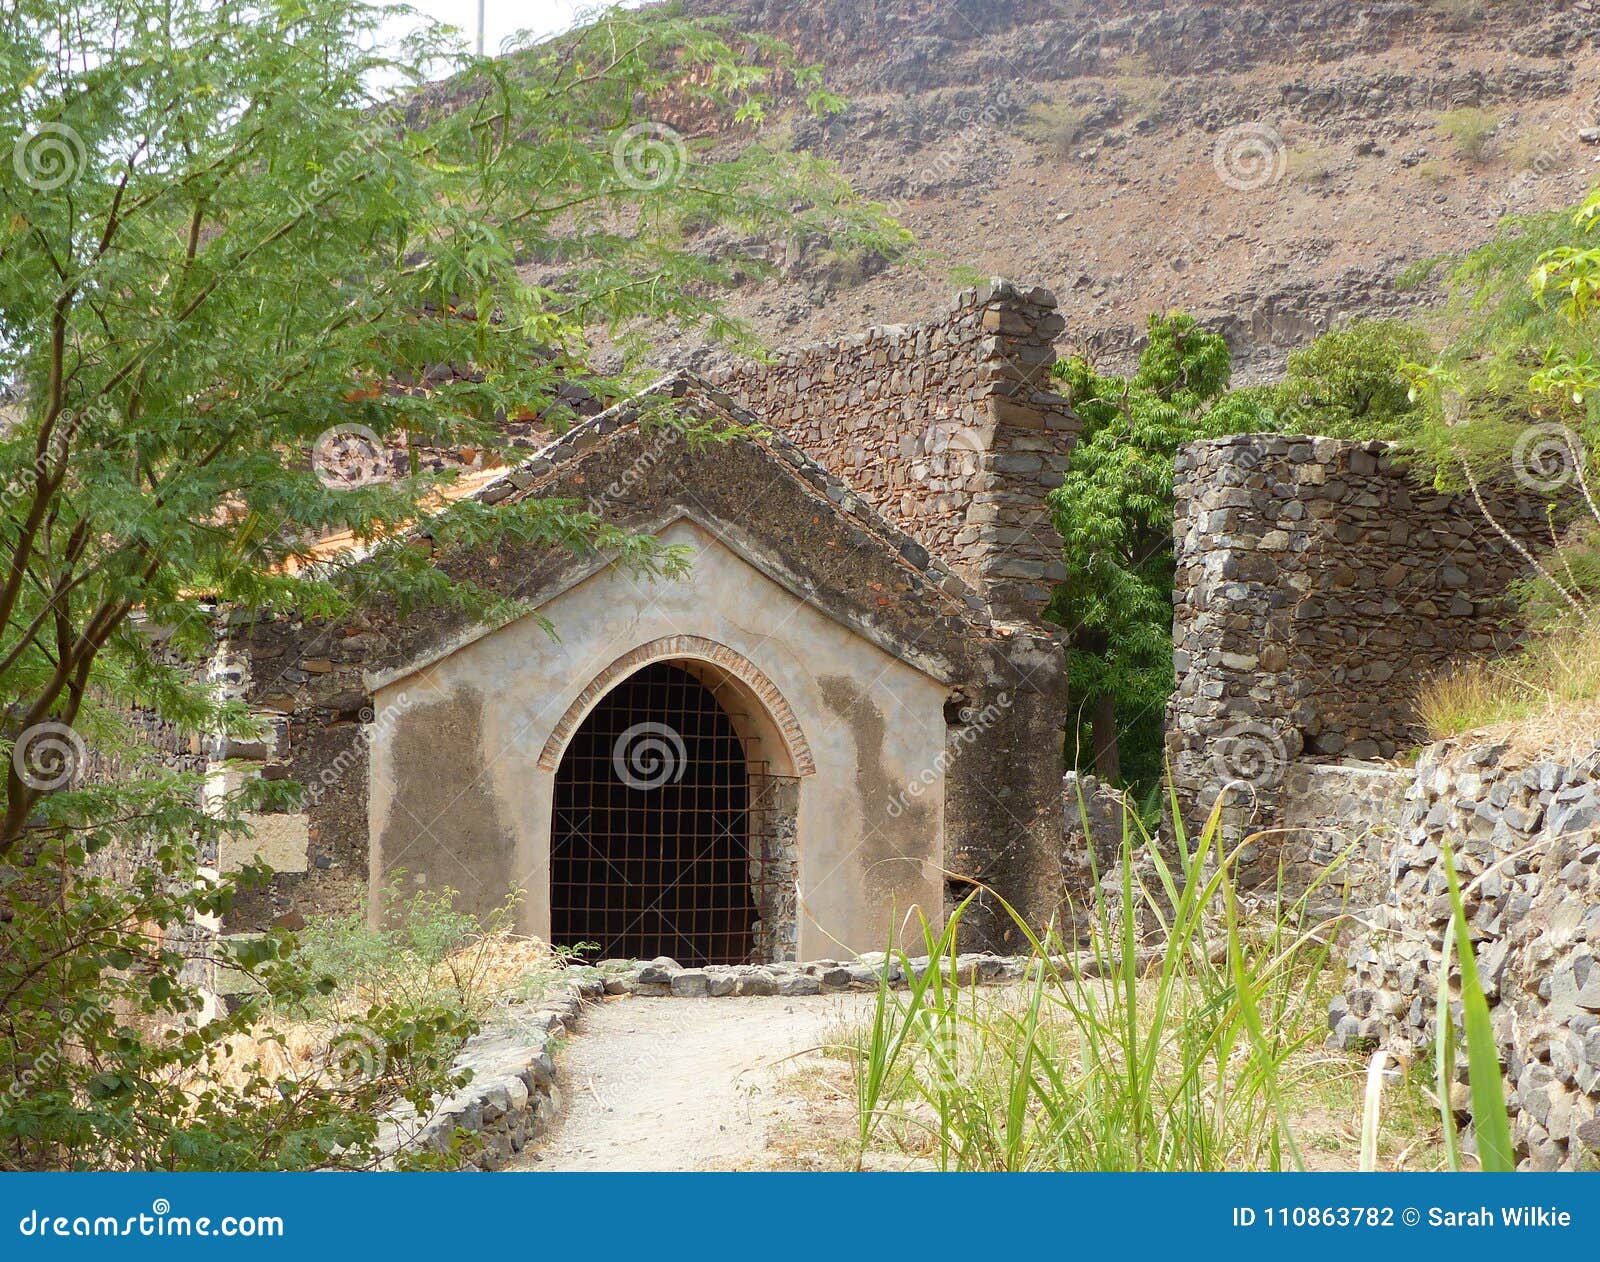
(1273, 166)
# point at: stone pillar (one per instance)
(949, 429)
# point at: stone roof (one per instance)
(692, 394)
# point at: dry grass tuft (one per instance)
(1057, 126)
(1472, 131)
(1545, 697)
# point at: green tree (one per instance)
(1114, 508)
(233, 234)
(1114, 511)
(1515, 397)
(1349, 383)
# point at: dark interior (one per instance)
(649, 850)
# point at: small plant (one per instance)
(1113, 1059)
(1536, 151)
(1435, 171)
(1472, 130)
(849, 268)
(1457, 15)
(1138, 85)
(1057, 126)
(426, 953)
(1313, 164)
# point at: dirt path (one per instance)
(682, 1084)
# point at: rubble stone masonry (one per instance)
(1318, 582)
(948, 428)
(1525, 835)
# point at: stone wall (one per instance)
(512, 1097)
(304, 677)
(1317, 583)
(1335, 819)
(948, 428)
(1526, 837)
(1094, 816)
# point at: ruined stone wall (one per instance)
(1335, 820)
(1317, 583)
(948, 428)
(304, 677)
(1526, 838)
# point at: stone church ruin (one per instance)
(847, 711)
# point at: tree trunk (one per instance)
(1103, 736)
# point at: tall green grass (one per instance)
(1113, 1057)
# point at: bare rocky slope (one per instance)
(1273, 167)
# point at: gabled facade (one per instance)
(819, 730)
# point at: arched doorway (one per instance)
(650, 846)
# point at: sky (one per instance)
(503, 18)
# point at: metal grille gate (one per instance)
(650, 840)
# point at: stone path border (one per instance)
(514, 1096)
(666, 977)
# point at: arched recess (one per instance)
(764, 716)
(599, 828)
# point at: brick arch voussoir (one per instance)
(681, 646)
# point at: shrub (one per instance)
(108, 1062)
(1471, 129)
(1457, 15)
(426, 953)
(1313, 164)
(849, 268)
(1537, 151)
(1056, 126)
(1138, 86)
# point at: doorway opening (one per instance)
(651, 837)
